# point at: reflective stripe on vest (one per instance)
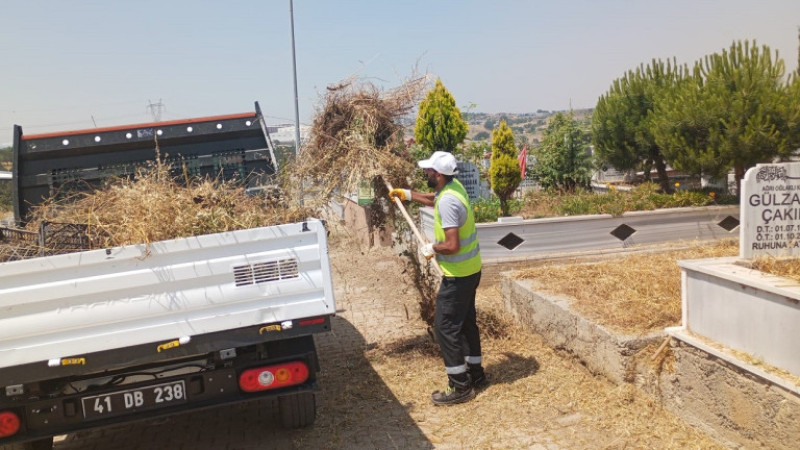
(468, 259)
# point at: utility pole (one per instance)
(155, 110)
(294, 71)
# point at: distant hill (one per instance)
(528, 127)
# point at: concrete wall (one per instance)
(604, 352)
(732, 406)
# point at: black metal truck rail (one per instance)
(230, 147)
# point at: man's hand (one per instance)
(427, 251)
(402, 194)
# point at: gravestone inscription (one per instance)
(770, 211)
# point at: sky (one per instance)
(77, 64)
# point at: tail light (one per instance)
(9, 424)
(273, 377)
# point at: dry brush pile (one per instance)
(356, 137)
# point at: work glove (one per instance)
(402, 194)
(427, 251)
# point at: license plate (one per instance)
(133, 400)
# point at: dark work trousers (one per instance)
(456, 324)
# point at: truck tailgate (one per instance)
(72, 304)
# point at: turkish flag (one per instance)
(523, 160)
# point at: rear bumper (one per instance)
(207, 382)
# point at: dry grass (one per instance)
(782, 267)
(357, 136)
(155, 206)
(536, 395)
(634, 294)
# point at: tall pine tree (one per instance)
(621, 122)
(735, 111)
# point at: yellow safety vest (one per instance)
(468, 259)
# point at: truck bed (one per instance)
(68, 312)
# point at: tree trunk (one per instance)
(504, 207)
(738, 172)
(661, 169)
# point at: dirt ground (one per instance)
(537, 398)
(379, 367)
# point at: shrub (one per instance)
(489, 210)
(645, 197)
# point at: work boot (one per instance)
(478, 376)
(459, 390)
(453, 395)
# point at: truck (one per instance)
(228, 147)
(106, 336)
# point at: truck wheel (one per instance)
(39, 444)
(297, 410)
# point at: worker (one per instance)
(456, 249)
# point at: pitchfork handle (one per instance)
(420, 237)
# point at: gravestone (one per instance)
(770, 211)
(470, 177)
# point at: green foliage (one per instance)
(562, 161)
(646, 197)
(621, 122)
(482, 135)
(472, 152)
(504, 171)
(489, 210)
(439, 123)
(5, 195)
(735, 111)
(5, 156)
(5, 185)
(418, 179)
(489, 124)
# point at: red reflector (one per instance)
(273, 377)
(316, 321)
(9, 424)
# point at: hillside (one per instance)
(527, 127)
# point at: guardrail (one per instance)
(515, 238)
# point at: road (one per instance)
(553, 236)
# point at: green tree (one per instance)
(472, 152)
(504, 171)
(5, 157)
(736, 110)
(622, 120)
(5, 185)
(482, 136)
(563, 161)
(439, 124)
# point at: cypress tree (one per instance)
(504, 171)
(439, 124)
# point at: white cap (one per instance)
(442, 162)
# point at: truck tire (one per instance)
(297, 410)
(39, 444)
